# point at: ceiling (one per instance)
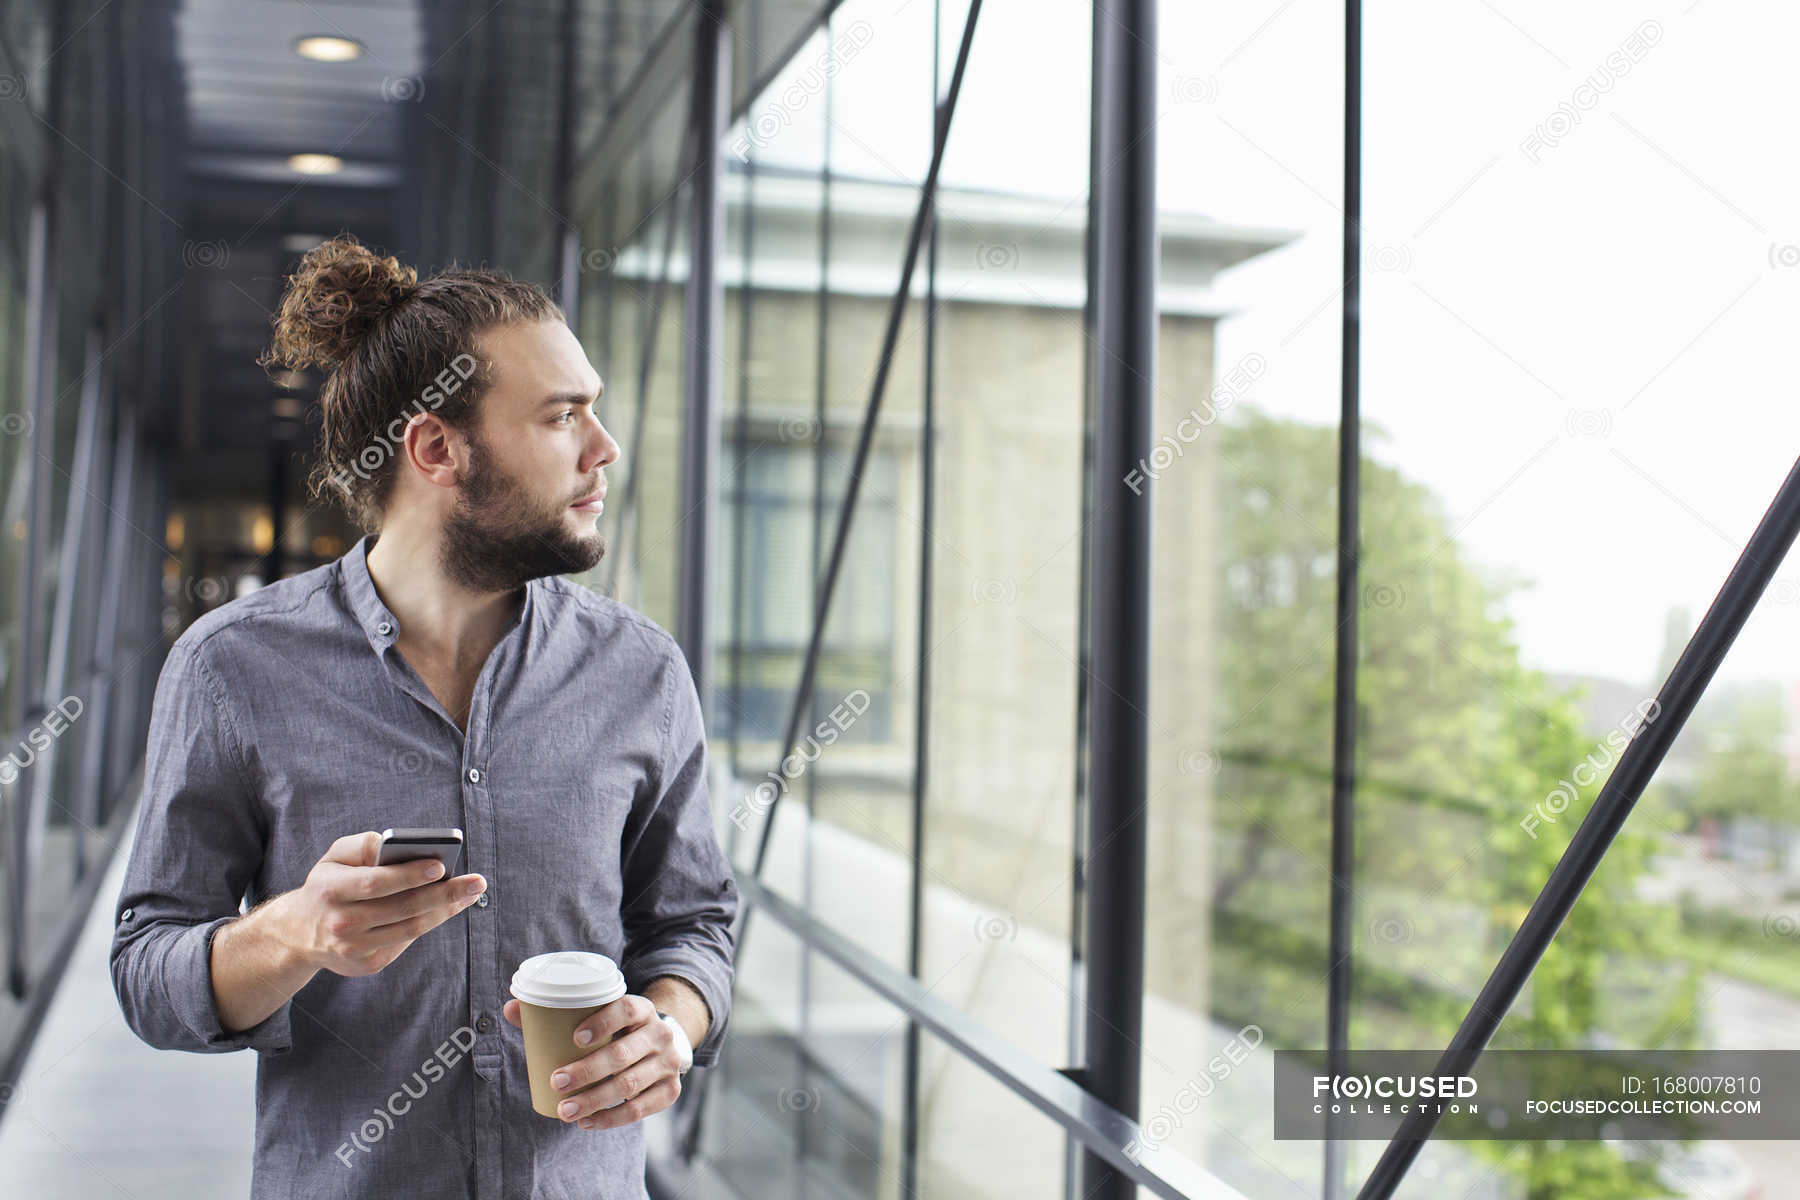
(469, 90)
(252, 100)
(447, 129)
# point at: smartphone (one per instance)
(407, 845)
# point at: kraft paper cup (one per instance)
(557, 992)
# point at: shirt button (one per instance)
(126, 915)
(484, 1024)
(481, 900)
(384, 629)
(474, 775)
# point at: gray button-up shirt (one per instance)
(288, 718)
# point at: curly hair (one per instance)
(390, 346)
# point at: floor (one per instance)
(97, 1113)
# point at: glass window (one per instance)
(771, 500)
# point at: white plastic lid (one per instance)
(568, 979)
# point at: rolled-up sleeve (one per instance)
(680, 898)
(199, 842)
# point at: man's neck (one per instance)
(439, 619)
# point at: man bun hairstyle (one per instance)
(390, 347)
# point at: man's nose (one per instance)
(606, 448)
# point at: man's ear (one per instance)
(435, 450)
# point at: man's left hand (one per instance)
(641, 1069)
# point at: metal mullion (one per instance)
(133, 234)
(815, 561)
(485, 130)
(847, 509)
(704, 307)
(1092, 273)
(740, 576)
(40, 360)
(614, 39)
(118, 218)
(569, 249)
(137, 610)
(95, 777)
(56, 675)
(1681, 691)
(915, 942)
(1119, 572)
(462, 183)
(1349, 574)
(705, 311)
(646, 359)
(91, 573)
(692, 1100)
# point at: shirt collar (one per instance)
(377, 619)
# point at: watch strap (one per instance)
(683, 1046)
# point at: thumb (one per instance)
(355, 849)
(510, 1010)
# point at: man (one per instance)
(439, 674)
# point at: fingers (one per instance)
(626, 1066)
(350, 884)
(624, 1013)
(652, 1099)
(510, 1010)
(433, 908)
(450, 896)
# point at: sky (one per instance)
(1579, 263)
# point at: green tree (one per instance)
(1458, 745)
(1743, 772)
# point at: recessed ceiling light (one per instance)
(328, 49)
(316, 164)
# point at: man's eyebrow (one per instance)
(570, 398)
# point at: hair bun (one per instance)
(339, 291)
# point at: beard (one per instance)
(498, 536)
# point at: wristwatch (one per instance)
(684, 1049)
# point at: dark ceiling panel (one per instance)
(448, 126)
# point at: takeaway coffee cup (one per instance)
(556, 992)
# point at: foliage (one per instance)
(1457, 743)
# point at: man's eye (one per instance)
(567, 412)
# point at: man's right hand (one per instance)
(353, 918)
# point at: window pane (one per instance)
(1545, 521)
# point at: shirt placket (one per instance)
(479, 841)
(484, 951)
